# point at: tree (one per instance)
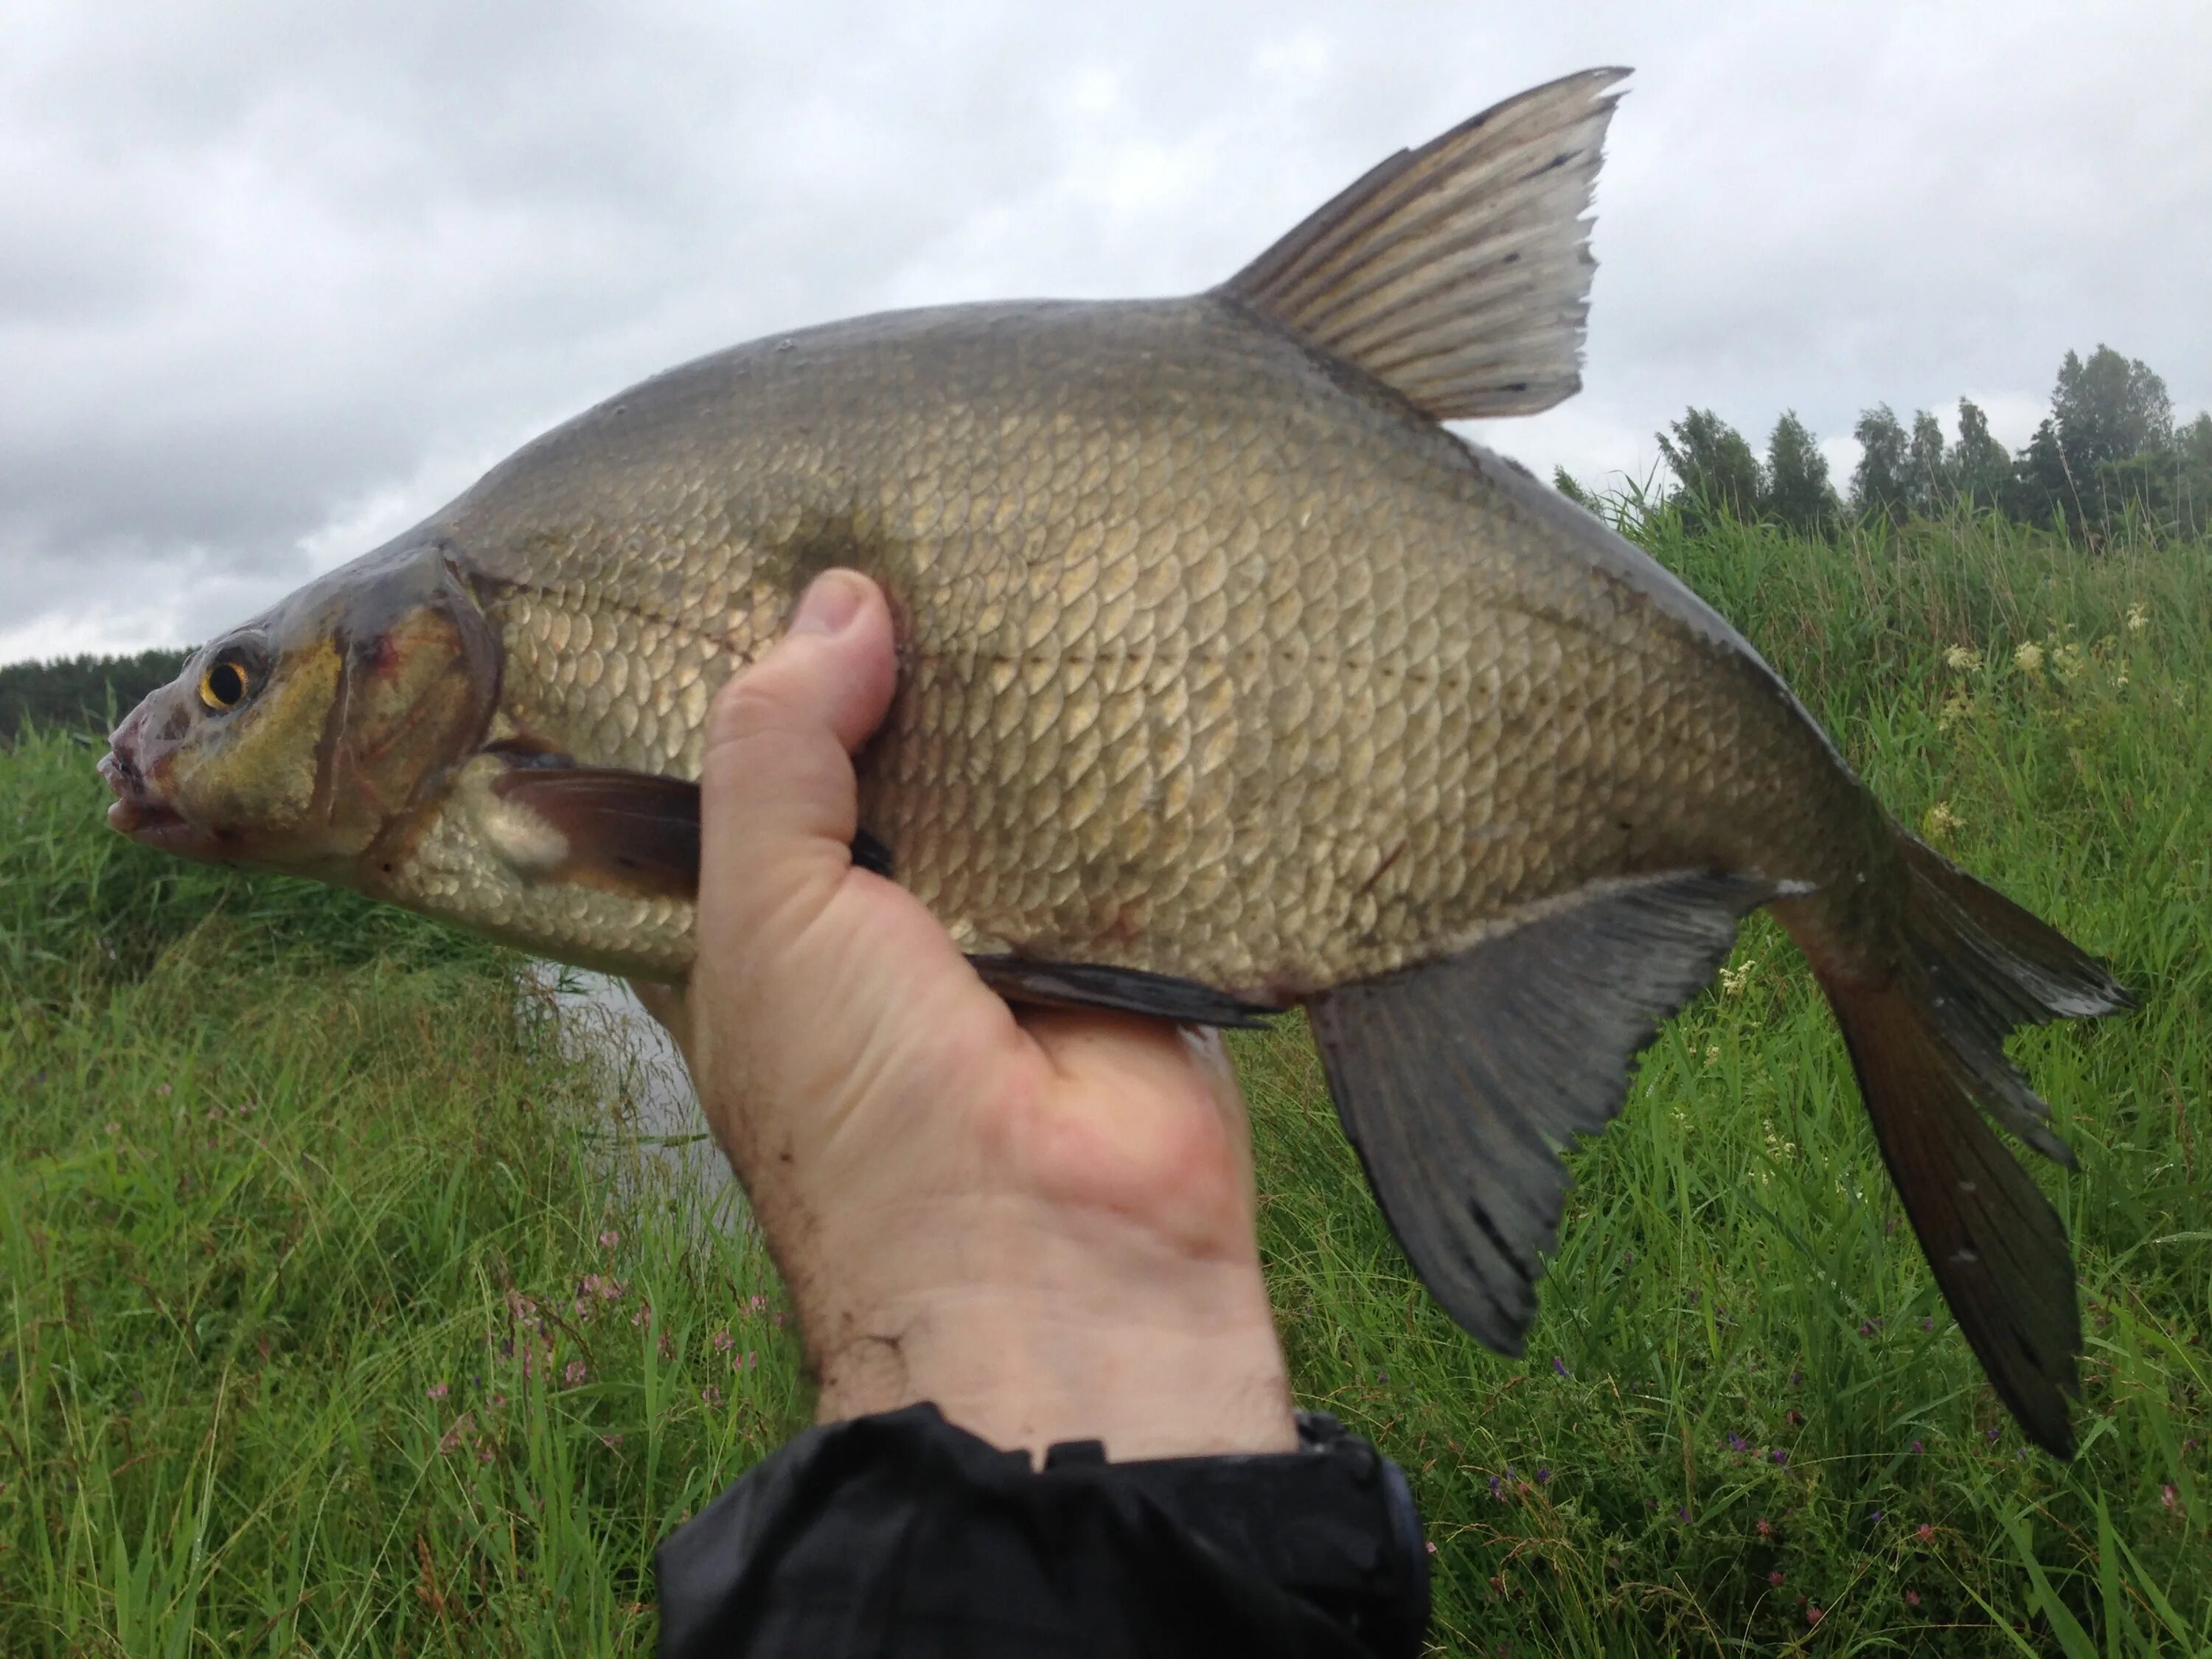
(2042, 489)
(1979, 467)
(1878, 484)
(1927, 479)
(2193, 477)
(2108, 409)
(86, 693)
(1715, 466)
(1798, 493)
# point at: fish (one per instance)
(1230, 679)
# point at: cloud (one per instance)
(274, 280)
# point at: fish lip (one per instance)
(135, 811)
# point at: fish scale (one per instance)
(1228, 678)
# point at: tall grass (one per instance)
(1746, 1419)
(324, 1330)
(313, 1344)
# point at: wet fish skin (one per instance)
(1163, 704)
(1229, 678)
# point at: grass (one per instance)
(312, 1343)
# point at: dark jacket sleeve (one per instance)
(900, 1535)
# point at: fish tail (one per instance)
(1926, 1037)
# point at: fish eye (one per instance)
(226, 685)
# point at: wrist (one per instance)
(1027, 1336)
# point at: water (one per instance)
(655, 1138)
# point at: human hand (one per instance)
(1041, 1220)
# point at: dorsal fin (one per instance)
(1458, 274)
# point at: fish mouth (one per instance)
(138, 812)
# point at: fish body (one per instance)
(1237, 670)
(1229, 678)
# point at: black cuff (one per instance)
(899, 1534)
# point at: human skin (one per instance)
(1043, 1221)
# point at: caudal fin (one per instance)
(1928, 1048)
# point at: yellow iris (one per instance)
(223, 687)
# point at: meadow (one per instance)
(329, 1330)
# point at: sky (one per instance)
(277, 281)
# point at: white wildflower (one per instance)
(1964, 657)
(2028, 659)
(1941, 821)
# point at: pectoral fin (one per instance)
(1460, 1082)
(633, 832)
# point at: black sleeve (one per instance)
(900, 1535)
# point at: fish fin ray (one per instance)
(1998, 1250)
(1127, 990)
(871, 854)
(1928, 1048)
(1460, 1081)
(635, 832)
(1458, 274)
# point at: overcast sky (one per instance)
(275, 280)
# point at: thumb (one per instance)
(778, 804)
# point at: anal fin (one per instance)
(1460, 1081)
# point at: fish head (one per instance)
(311, 737)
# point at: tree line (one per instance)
(2108, 453)
(83, 693)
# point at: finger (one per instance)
(777, 794)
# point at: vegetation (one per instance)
(335, 1323)
(2108, 458)
(80, 690)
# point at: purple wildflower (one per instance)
(1560, 1366)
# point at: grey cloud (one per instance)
(273, 276)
